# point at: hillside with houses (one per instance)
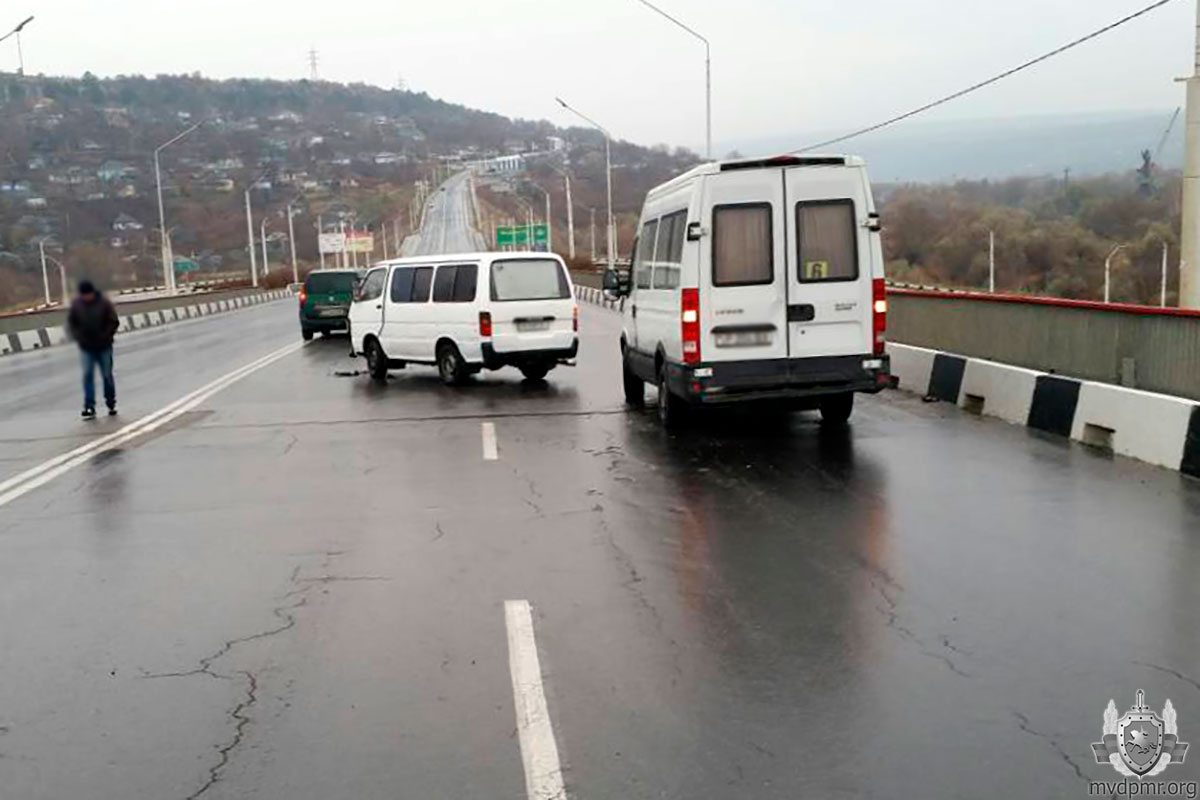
(77, 169)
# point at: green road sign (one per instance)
(518, 236)
(186, 265)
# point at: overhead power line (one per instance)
(982, 84)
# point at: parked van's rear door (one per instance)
(828, 262)
(743, 267)
(531, 303)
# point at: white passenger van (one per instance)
(465, 313)
(757, 280)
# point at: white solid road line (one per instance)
(47, 471)
(539, 751)
(489, 442)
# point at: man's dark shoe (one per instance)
(89, 413)
(112, 411)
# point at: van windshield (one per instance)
(529, 279)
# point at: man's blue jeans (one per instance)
(103, 359)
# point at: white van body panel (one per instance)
(782, 254)
(409, 327)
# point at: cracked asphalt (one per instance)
(297, 588)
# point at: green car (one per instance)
(325, 301)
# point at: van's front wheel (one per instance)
(635, 389)
(377, 363)
(837, 408)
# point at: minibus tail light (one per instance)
(690, 320)
(879, 314)
(575, 318)
(302, 296)
(485, 324)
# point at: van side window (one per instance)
(455, 284)
(372, 285)
(464, 283)
(645, 255)
(828, 241)
(422, 280)
(402, 283)
(743, 252)
(669, 253)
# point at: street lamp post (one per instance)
(17, 32)
(1162, 296)
(610, 238)
(707, 74)
(292, 243)
(570, 213)
(168, 261)
(549, 226)
(262, 232)
(62, 277)
(1108, 269)
(45, 276)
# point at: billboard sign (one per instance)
(332, 242)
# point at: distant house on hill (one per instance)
(124, 222)
(128, 190)
(36, 202)
(111, 171)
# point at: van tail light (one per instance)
(879, 306)
(302, 296)
(575, 319)
(485, 324)
(690, 320)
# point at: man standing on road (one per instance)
(92, 323)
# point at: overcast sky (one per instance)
(778, 65)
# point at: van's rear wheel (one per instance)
(451, 368)
(635, 389)
(672, 410)
(836, 408)
(306, 334)
(377, 363)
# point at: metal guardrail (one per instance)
(1144, 347)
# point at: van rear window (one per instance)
(743, 251)
(529, 279)
(330, 282)
(828, 241)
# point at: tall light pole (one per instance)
(707, 74)
(593, 234)
(250, 231)
(168, 260)
(611, 237)
(549, 226)
(45, 276)
(1162, 299)
(262, 229)
(292, 242)
(1189, 272)
(570, 213)
(1108, 269)
(17, 32)
(992, 262)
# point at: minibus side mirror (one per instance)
(613, 288)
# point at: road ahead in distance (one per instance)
(447, 226)
(295, 586)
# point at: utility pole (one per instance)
(292, 242)
(312, 64)
(1162, 302)
(320, 250)
(383, 232)
(45, 275)
(266, 263)
(593, 234)
(992, 262)
(570, 218)
(1189, 271)
(250, 239)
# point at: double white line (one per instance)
(31, 479)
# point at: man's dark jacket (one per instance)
(93, 325)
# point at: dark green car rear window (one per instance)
(329, 282)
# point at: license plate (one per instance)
(533, 326)
(743, 339)
(331, 312)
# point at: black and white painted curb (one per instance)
(1156, 428)
(595, 296)
(39, 338)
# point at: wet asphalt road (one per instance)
(447, 222)
(296, 589)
